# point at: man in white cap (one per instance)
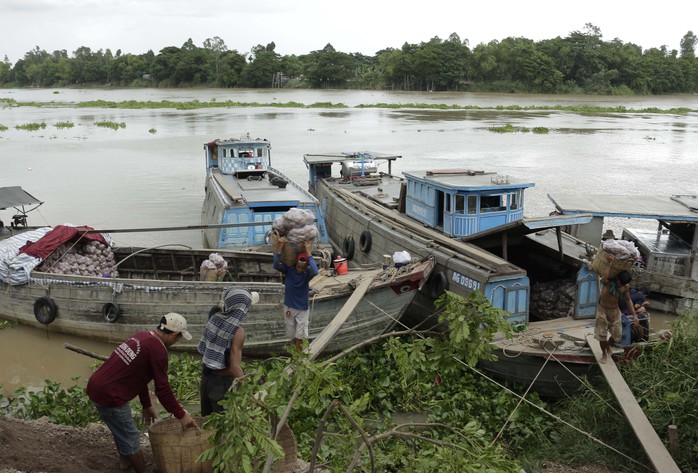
(221, 347)
(126, 374)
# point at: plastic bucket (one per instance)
(341, 266)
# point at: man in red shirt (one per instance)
(126, 374)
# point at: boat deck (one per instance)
(258, 189)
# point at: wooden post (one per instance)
(674, 441)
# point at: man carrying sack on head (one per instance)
(126, 374)
(221, 348)
(297, 285)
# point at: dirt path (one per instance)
(42, 447)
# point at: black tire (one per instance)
(111, 312)
(45, 310)
(267, 237)
(365, 241)
(437, 284)
(348, 247)
(213, 310)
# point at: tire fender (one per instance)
(437, 284)
(365, 241)
(111, 312)
(45, 310)
(348, 247)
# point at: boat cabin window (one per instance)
(492, 203)
(448, 198)
(472, 205)
(260, 152)
(460, 204)
(513, 201)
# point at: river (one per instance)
(150, 173)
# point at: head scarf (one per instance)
(221, 327)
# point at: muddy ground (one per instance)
(42, 447)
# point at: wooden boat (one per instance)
(244, 194)
(472, 223)
(669, 265)
(150, 282)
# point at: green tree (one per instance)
(264, 62)
(216, 47)
(328, 68)
(688, 45)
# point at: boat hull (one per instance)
(157, 281)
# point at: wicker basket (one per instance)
(176, 451)
(601, 263)
(290, 251)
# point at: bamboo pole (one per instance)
(84, 352)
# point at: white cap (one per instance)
(175, 322)
(255, 297)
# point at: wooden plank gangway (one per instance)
(650, 441)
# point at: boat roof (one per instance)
(329, 158)
(261, 191)
(15, 195)
(673, 208)
(468, 179)
(531, 225)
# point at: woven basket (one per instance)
(176, 451)
(290, 251)
(601, 263)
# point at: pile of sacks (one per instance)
(296, 227)
(90, 259)
(214, 268)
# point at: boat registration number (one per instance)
(465, 281)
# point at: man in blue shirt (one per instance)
(297, 284)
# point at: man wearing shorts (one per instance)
(297, 285)
(126, 374)
(608, 313)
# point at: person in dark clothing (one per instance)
(221, 348)
(126, 374)
(297, 285)
(641, 331)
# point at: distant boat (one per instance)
(245, 192)
(147, 283)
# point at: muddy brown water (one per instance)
(150, 173)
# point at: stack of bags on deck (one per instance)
(296, 228)
(214, 268)
(625, 255)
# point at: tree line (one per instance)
(581, 62)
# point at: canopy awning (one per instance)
(16, 196)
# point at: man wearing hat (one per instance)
(126, 374)
(297, 285)
(221, 347)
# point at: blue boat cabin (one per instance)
(463, 202)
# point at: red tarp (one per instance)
(47, 244)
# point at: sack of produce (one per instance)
(295, 228)
(213, 269)
(625, 255)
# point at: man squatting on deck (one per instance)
(296, 285)
(126, 374)
(608, 315)
(221, 347)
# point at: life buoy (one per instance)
(348, 247)
(213, 310)
(365, 241)
(111, 312)
(45, 310)
(437, 284)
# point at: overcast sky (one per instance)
(302, 26)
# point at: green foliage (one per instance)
(5, 324)
(663, 379)
(509, 128)
(472, 323)
(61, 406)
(64, 125)
(110, 124)
(152, 131)
(31, 126)
(184, 372)
(3, 127)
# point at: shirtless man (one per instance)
(607, 312)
